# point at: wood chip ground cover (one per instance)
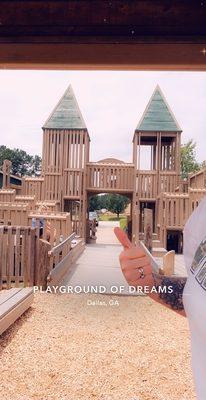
(63, 348)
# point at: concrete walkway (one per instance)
(99, 263)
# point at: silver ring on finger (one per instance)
(142, 274)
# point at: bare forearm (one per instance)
(169, 292)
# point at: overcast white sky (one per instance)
(111, 103)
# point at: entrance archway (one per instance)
(102, 216)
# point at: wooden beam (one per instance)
(129, 56)
(116, 34)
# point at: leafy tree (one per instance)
(22, 162)
(113, 202)
(117, 203)
(188, 159)
(103, 201)
(94, 203)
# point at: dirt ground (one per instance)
(64, 348)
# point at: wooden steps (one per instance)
(159, 252)
(13, 303)
(156, 243)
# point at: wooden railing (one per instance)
(18, 214)
(72, 183)
(33, 186)
(7, 195)
(62, 257)
(195, 196)
(107, 177)
(175, 210)
(14, 214)
(168, 181)
(150, 183)
(146, 184)
(26, 260)
(182, 187)
(198, 179)
(60, 251)
(59, 224)
(29, 200)
(17, 256)
(47, 205)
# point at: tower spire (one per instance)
(158, 115)
(66, 114)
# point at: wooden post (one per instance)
(148, 222)
(6, 174)
(42, 267)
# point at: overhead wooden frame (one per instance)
(103, 34)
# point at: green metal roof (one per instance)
(66, 114)
(158, 116)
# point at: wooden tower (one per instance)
(65, 154)
(156, 143)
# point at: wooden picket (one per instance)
(17, 256)
(7, 195)
(14, 214)
(33, 186)
(29, 200)
(59, 224)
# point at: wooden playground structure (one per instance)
(60, 196)
(44, 220)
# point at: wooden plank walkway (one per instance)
(13, 303)
(99, 263)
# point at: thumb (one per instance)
(122, 237)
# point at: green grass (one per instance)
(122, 219)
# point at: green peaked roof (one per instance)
(158, 116)
(66, 114)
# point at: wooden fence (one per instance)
(195, 196)
(19, 214)
(47, 205)
(33, 186)
(7, 195)
(59, 224)
(29, 200)
(18, 253)
(26, 260)
(173, 210)
(150, 183)
(146, 184)
(105, 177)
(197, 180)
(14, 214)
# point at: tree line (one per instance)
(115, 203)
(22, 162)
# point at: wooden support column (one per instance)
(84, 199)
(178, 145)
(158, 160)
(6, 174)
(135, 142)
(155, 156)
(148, 223)
(135, 219)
